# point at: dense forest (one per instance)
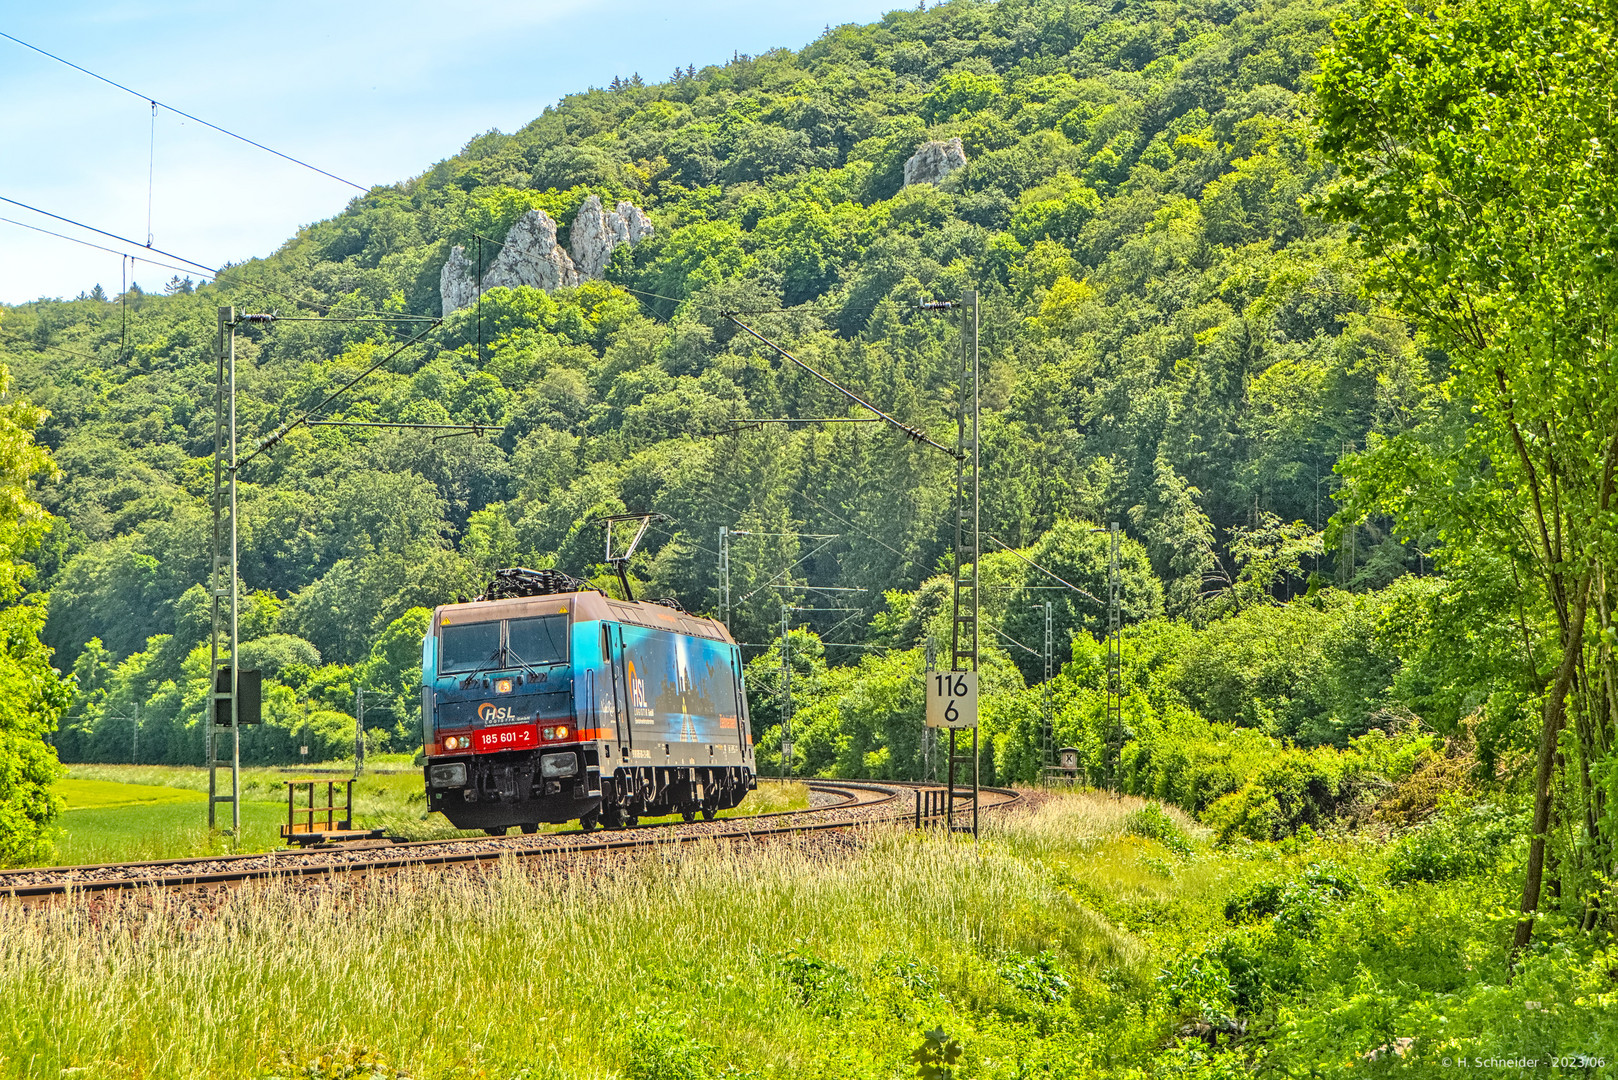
(1316, 304)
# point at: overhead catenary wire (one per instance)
(767, 584)
(915, 433)
(53, 348)
(156, 104)
(112, 235)
(311, 304)
(98, 247)
(1017, 554)
(1014, 641)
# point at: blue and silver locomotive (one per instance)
(548, 701)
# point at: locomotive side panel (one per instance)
(682, 697)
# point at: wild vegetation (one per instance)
(1092, 937)
(1315, 303)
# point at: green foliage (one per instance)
(937, 1056)
(1458, 842)
(1470, 139)
(1040, 976)
(821, 985)
(960, 94)
(32, 694)
(660, 1049)
(1151, 822)
(31, 697)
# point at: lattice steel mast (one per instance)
(222, 677)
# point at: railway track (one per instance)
(854, 803)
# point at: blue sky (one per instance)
(372, 92)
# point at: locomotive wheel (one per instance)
(529, 830)
(631, 820)
(501, 831)
(590, 822)
(689, 815)
(709, 813)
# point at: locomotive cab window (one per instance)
(468, 647)
(537, 642)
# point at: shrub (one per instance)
(1297, 905)
(822, 986)
(1459, 841)
(1151, 822)
(1037, 976)
(660, 1049)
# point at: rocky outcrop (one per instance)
(934, 161)
(531, 256)
(455, 283)
(635, 219)
(597, 232)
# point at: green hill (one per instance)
(1169, 341)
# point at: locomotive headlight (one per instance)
(555, 766)
(457, 742)
(445, 776)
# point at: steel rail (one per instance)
(407, 845)
(419, 853)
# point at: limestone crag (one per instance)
(455, 284)
(636, 221)
(933, 161)
(531, 256)
(597, 232)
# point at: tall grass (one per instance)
(818, 957)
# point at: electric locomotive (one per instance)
(548, 701)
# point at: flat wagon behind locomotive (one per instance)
(550, 701)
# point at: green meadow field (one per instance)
(1085, 936)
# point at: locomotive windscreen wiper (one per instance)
(525, 665)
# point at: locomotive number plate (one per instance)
(513, 737)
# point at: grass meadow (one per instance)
(1085, 936)
(815, 960)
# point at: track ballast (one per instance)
(857, 803)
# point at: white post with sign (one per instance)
(952, 699)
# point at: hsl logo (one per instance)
(490, 713)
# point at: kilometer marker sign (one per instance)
(952, 699)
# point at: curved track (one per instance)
(855, 803)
